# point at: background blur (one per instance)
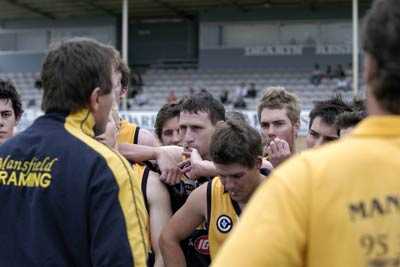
(232, 48)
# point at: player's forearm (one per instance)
(208, 169)
(172, 253)
(137, 153)
(159, 262)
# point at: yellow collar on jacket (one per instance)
(83, 120)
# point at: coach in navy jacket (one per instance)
(66, 199)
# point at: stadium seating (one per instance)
(158, 83)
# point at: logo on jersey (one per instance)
(224, 224)
(201, 245)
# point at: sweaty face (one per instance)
(170, 132)
(105, 103)
(320, 133)
(196, 130)
(7, 120)
(238, 180)
(276, 123)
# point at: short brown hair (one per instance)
(168, 111)
(119, 64)
(204, 102)
(71, 71)
(381, 40)
(279, 98)
(349, 119)
(235, 141)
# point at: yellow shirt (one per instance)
(223, 214)
(335, 206)
(128, 133)
(141, 175)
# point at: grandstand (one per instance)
(159, 82)
(176, 45)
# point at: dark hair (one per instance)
(358, 104)
(168, 111)
(279, 98)
(119, 64)
(349, 119)
(381, 40)
(328, 110)
(9, 92)
(205, 102)
(235, 142)
(71, 71)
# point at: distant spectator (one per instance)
(224, 97)
(328, 72)
(191, 91)
(171, 97)
(38, 84)
(241, 90)
(252, 91)
(203, 91)
(349, 70)
(240, 93)
(141, 99)
(343, 84)
(136, 84)
(339, 72)
(316, 75)
(240, 103)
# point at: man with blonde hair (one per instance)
(279, 117)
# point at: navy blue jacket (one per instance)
(68, 200)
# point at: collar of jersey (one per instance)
(388, 125)
(82, 120)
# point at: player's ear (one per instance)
(94, 100)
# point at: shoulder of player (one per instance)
(198, 198)
(155, 189)
(145, 137)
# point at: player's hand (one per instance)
(194, 166)
(168, 158)
(278, 151)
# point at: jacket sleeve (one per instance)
(117, 226)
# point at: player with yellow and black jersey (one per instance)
(236, 151)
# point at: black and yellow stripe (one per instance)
(128, 133)
(80, 125)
